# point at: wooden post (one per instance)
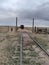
(16, 23)
(35, 29)
(33, 25)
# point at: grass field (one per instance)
(43, 39)
(10, 49)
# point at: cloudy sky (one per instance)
(25, 10)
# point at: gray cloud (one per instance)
(25, 10)
(42, 12)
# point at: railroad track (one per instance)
(38, 44)
(25, 42)
(21, 42)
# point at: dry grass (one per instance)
(43, 39)
(8, 49)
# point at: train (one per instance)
(41, 30)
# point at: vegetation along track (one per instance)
(9, 50)
(37, 43)
(31, 52)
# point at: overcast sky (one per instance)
(25, 10)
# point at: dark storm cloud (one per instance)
(42, 12)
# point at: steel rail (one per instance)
(21, 42)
